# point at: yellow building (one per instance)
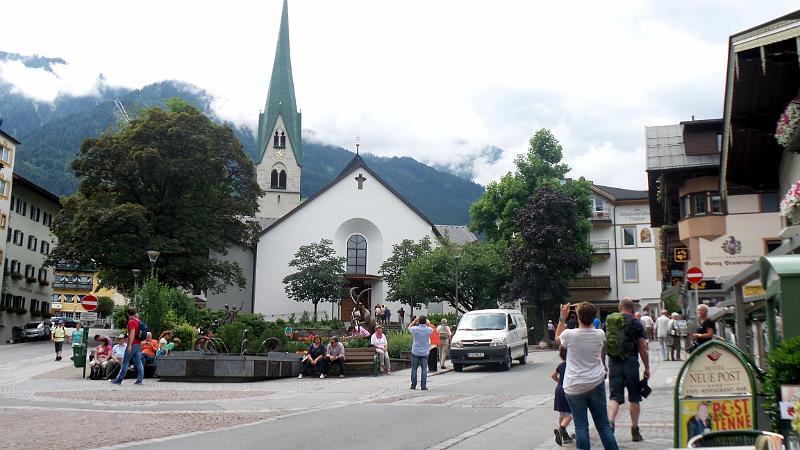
(72, 282)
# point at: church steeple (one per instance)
(280, 99)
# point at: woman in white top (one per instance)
(381, 345)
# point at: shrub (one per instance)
(152, 301)
(105, 306)
(186, 334)
(398, 342)
(184, 306)
(436, 318)
(205, 317)
(305, 318)
(121, 317)
(783, 367)
(356, 343)
(295, 346)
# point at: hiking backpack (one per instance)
(619, 342)
(141, 334)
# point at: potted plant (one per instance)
(16, 275)
(790, 205)
(44, 283)
(21, 311)
(787, 132)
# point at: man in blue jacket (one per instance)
(420, 345)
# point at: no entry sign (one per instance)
(89, 303)
(694, 275)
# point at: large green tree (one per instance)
(319, 276)
(170, 180)
(495, 213)
(393, 268)
(483, 273)
(547, 252)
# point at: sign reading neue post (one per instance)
(716, 391)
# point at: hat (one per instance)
(121, 336)
(335, 338)
(61, 321)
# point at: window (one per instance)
(771, 244)
(36, 213)
(42, 274)
(5, 154)
(34, 304)
(6, 300)
(15, 266)
(599, 205)
(45, 248)
(716, 203)
(33, 243)
(282, 180)
(55, 298)
(45, 308)
(47, 219)
(770, 202)
(30, 271)
(3, 221)
(22, 207)
(629, 236)
(19, 237)
(630, 271)
(10, 234)
(357, 254)
(3, 187)
(700, 204)
(686, 208)
(6, 268)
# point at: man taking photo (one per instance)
(625, 343)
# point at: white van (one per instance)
(490, 336)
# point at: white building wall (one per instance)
(374, 212)
(647, 287)
(277, 202)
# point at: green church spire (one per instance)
(280, 99)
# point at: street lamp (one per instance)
(153, 255)
(457, 258)
(136, 273)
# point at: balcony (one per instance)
(601, 248)
(74, 286)
(591, 282)
(603, 216)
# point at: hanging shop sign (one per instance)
(716, 391)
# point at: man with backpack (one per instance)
(625, 343)
(137, 332)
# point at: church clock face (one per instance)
(279, 153)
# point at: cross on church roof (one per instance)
(360, 178)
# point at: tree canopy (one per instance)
(393, 269)
(547, 252)
(495, 213)
(319, 276)
(172, 181)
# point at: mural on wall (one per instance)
(645, 236)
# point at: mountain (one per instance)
(51, 134)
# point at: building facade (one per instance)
(72, 282)
(720, 235)
(27, 283)
(625, 252)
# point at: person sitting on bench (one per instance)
(381, 345)
(313, 359)
(334, 355)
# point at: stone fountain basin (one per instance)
(225, 367)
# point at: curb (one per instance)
(440, 372)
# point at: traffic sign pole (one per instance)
(695, 275)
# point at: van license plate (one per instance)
(474, 355)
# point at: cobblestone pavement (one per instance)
(44, 392)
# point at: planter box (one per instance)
(201, 366)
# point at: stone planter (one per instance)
(202, 366)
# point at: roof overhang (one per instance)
(762, 77)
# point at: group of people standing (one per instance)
(673, 335)
(383, 315)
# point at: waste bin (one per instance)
(79, 355)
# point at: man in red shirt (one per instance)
(134, 350)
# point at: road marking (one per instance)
(468, 434)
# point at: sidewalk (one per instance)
(656, 422)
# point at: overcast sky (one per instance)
(435, 80)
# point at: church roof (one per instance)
(280, 99)
(355, 164)
(457, 234)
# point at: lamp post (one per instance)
(153, 256)
(136, 273)
(458, 259)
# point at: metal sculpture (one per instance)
(275, 345)
(362, 312)
(231, 312)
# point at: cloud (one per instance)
(438, 81)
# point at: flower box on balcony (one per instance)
(16, 275)
(44, 283)
(21, 311)
(30, 280)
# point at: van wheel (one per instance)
(506, 364)
(458, 367)
(524, 359)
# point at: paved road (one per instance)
(477, 409)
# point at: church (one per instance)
(361, 213)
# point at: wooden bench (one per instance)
(357, 361)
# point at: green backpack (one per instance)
(619, 343)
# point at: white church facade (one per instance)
(362, 214)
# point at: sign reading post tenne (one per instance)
(89, 303)
(716, 391)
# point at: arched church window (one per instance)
(282, 180)
(273, 179)
(275, 140)
(283, 139)
(357, 254)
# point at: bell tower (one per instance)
(280, 160)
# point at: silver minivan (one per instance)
(490, 336)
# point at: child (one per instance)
(560, 401)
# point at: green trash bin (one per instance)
(79, 355)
